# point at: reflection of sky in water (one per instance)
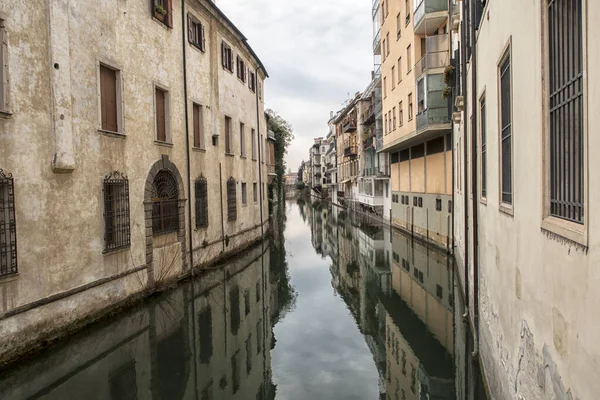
(320, 352)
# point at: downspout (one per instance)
(474, 176)
(450, 13)
(258, 138)
(189, 182)
(464, 93)
(222, 216)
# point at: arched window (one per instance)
(165, 207)
(8, 226)
(231, 200)
(201, 193)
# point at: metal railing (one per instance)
(350, 151)
(426, 7)
(432, 116)
(376, 41)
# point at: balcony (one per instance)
(429, 16)
(368, 116)
(436, 55)
(368, 143)
(350, 151)
(432, 109)
(377, 44)
(349, 125)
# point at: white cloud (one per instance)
(316, 53)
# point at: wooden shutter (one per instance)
(227, 135)
(169, 13)
(202, 38)
(190, 29)
(108, 99)
(223, 55)
(196, 125)
(161, 132)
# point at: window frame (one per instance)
(242, 140)
(196, 33)
(228, 128)
(199, 141)
(483, 147)
(119, 96)
(167, 18)
(507, 208)
(173, 198)
(400, 114)
(167, 100)
(244, 193)
(201, 203)
(226, 56)
(408, 59)
(572, 231)
(242, 71)
(114, 179)
(410, 107)
(12, 265)
(231, 197)
(253, 139)
(4, 70)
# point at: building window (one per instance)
(384, 87)
(198, 126)
(393, 77)
(399, 69)
(117, 232)
(483, 168)
(394, 117)
(253, 138)
(385, 122)
(383, 50)
(244, 198)
(406, 7)
(162, 10)
(566, 104)
(398, 26)
(226, 56)
(387, 41)
(235, 373)
(196, 35)
(400, 114)
(242, 140)
(205, 329)
(383, 10)
(259, 337)
(8, 225)
(410, 107)
(165, 203)
(257, 292)
(259, 86)
(408, 59)
(506, 130)
(231, 200)
(110, 99)
(438, 204)
(255, 192)
(201, 197)
(387, 8)
(252, 81)
(161, 106)
(249, 355)
(3, 67)
(246, 302)
(241, 69)
(228, 134)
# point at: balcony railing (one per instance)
(368, 116)
(436, 54)
(349, 125)
(432, 116)
(377, 43)
(427, 7)
(368, 143)
(350, 151)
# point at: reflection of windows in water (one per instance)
(259, 337)
(257, 291)
(172, 355)
(205, 335)
(413, 379)
(122, 382)
(249, 354)
(403, 363)
(247, 302)
(234, 304)
(260, 395)
(439, 291)
(235, 372)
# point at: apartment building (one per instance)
(331, 165)
(318, 169)
(132, 145)
(414, 48)
(346, 135)
(528, 258)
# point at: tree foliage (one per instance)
(283, 138)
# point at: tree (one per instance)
(284, 135)
(301, 171)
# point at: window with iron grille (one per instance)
(201, 194)
(3, 67)
(8, 225)
(231, 200)
(483, 171)
(506, 130)
(165, 203)
(566, 69)
(244, 197)
(117, 233)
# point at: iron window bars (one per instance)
(117, 231)
(566, 109)
(201, 192)
(506, 134)
(8, 225)
(165, 204)
(231, 200)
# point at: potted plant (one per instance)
(447, 92)
(159, 9)
(449, 75)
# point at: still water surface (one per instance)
(331, 308)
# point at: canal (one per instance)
(332, 307)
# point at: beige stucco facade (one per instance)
(53, 145)
(538, 275)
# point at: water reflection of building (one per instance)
(211, 340)
(401, 295)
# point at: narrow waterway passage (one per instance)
(331, 308)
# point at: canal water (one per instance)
(332, 307)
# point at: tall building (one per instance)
(133, 144)
(528, 258)
(415, 52)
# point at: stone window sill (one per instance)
(9, 278)
(199, 149)
(507, 209)
(229, 154)
(116, 251)
(163, 144)
(5, 114)
(566, 229)
(112, 134)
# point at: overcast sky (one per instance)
(315, 53)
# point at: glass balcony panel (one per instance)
(428, 6)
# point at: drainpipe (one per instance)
(260, 187)
(464, 93)
(474, 176)
(450, 12)
(222, 216)
(189, 182)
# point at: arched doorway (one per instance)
(164, 206)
